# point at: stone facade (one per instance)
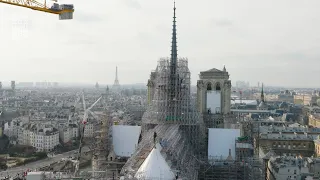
(218, 80)
(214, 78)
(314, 120)
(293, 147)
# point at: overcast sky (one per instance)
(275, 42)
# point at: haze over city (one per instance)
(275, 42)
(98, 90)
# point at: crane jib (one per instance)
(65, 11)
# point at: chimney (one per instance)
(229, 158)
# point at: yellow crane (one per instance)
(65, 11)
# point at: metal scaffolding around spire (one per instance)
(171, 114)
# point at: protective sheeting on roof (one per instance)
(125, 139)
(271, 118)
(220, 141)
(159, 147)
(155, 167)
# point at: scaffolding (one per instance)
(173, 118)
(164, 109)
(101, 149)
(256, 169)
(180, 130)
(172, 115)
(175, 149)
(220, 169)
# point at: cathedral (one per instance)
(173, 128)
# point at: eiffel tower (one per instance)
(116, 85)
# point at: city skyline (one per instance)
(270, 42)
(7, 85)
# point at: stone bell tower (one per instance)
(214, 96)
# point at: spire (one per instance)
(262, 94)
(174, 50)
(116, 73)
(229, 158)
(224, 68)
(116, 81)
(172, 91)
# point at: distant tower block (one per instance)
(214, 96)
(13, 85)
(0, 85)
(116, 85)
(97, 85)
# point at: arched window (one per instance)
(209, 88)
(218, 88)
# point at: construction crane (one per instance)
(65, 11)
(84, 122)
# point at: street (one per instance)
(38, 164)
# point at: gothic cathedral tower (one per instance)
(214, 96)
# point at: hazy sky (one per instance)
(276, 42)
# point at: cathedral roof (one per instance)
(213, 70)
(262, 104)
